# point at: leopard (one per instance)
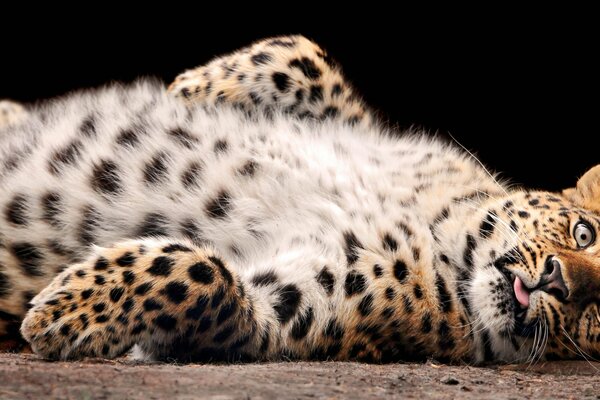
(257, 209)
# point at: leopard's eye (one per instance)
(584, 234)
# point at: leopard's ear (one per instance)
(587, 192)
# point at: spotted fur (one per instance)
(253, 223)
(11, 113)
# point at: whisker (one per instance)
(480, 163)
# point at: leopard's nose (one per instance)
(552, 281)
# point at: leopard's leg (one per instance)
(179, 301)
(11, 113)
(290, 74)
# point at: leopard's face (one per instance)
(538, 294)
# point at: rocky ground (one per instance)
(25, 376)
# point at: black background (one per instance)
(519, 89)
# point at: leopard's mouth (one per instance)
(520, 295)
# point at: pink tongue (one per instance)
(521, 292)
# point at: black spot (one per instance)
(87, 293)
(154, 224)
(241, 342)
(226, 311)
(84, 320)
(165, 322)
(355, 283)
(524, 214)
(426, 323)
(534, 202)
(249, 168)
(469, 248)
(281, 81)
(302, 325)
(128, 277)
(372, 330)
(299, 95)
(201, 272)
(217, 262)
(59, 249)
(221, 146)
(204, 324)
(400, 271)
(286, 42)
(355, 119)
(444, 296)
(330, 112)
(143, 288)
(16, 211)
(30, 258)
(261, 58)
(316, 93)
(264, 279)
(156, 169)
(390, 293)
(389, 243)
(102, 318)
(183, 137)
(99, 307)
(65, 329)
(90, 221)
(99, 280)
(219, 206)
(387, 312)
(126, 260)
(56, 315)
(352, 246)
(224, 334)
(288, 303)
(486, 229)
(334, 330)
(326, 279)
(88, 126)
(116, 293)
(175, 247)
(365, 307)
(128, 137)
(197, 310)
(101, 264)
(161, 266)
(418, 291)
(127, 305)
(445, 338)
(66, 156)
(336, 90)
(488, 353)
(307, 66)
(138, 328)
(175, 291)
(190, 176)
(256, 100)
(105, 178)
(217, 298)
(377, 270)
(152, 305)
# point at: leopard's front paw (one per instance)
(85, 310)
(11, 113)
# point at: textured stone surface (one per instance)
(26, 376)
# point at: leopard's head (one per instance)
(535, 282)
